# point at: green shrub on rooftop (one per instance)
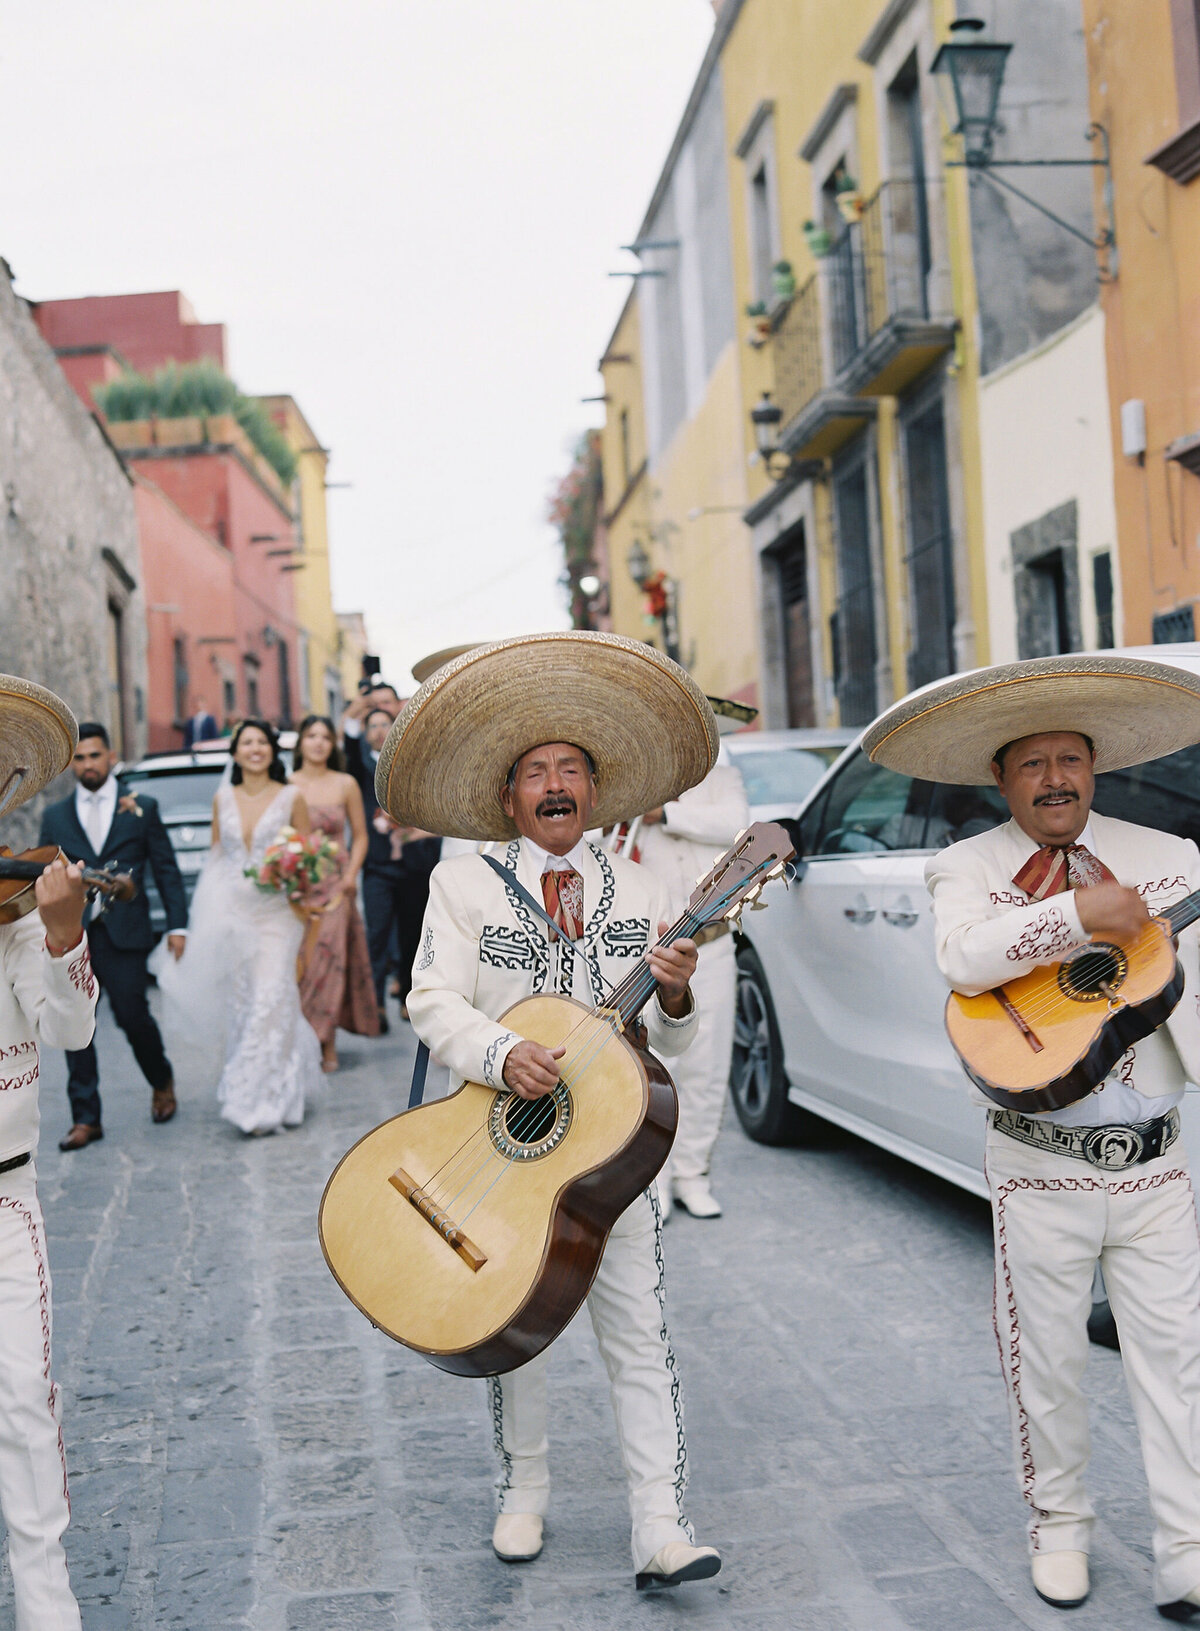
(194, 390)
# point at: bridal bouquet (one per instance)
(294, 865)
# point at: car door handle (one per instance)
(900, 920)
(859, 914)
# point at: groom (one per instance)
(97, 825)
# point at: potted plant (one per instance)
(760, 331)
(818, 239)
(783, 280)
(848, 198)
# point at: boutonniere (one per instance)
(129, 805)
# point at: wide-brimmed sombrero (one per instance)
(643, 720)
(38, 734)
(950, 732)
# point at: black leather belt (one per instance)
(17, 1161)
(1113, 1147)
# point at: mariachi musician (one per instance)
(1103, 1179)
(531, 741)
(47, 999)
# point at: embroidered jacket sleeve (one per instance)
(986, 932)
(441, 1004)
(713, 812)
(57, 995)
(667, 1036)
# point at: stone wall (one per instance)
(68, 546)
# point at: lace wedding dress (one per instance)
(236, 981)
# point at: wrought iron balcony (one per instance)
(882, 334)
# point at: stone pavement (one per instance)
(246, 1452)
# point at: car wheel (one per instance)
(757, 1079)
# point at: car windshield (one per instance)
(181, 794)
(783, 775)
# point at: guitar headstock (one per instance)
(757, 855)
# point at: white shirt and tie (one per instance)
(96, 811)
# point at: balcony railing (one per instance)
(799, 365)
(877, 268)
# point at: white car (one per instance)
(840, 1000)
(779, 769)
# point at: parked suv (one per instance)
(840, 1000)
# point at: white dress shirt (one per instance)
(545, 862)
(96, 811)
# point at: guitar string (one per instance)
(602, 1033)
(641, 983)
(1047, 1006)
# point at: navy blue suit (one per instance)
(121, 940)
(202, 728)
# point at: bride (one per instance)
(236, 981)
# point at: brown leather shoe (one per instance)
(162, 1103)
(80, 1136)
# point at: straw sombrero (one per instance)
(950, 732)
(645, 722)
(37, 738)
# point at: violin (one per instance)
(19, 874)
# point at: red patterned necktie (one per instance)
(562, 893)
(1054, 868)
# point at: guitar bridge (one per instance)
(423, 1202)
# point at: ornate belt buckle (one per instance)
(1113, 1148)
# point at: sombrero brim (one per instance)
(646, 724)
(38, 734)
(438, 659)
(1133, 711)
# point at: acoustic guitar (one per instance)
(1046, 1039)
(471, 1229)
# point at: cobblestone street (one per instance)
(246, 1452)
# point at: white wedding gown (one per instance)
(235, 984)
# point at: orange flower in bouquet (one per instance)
(294, 865)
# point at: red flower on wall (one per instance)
(655, 591)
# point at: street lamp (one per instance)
(638, 563)
(975, 70)
(765, 416)
(589, 586)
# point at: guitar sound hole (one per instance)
(527, 1129)
(1084, 976)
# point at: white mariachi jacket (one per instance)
(988, 931)
(44, 1001)
(698, 827)
(481, 951)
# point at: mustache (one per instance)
(1059, 793)
(553, 803)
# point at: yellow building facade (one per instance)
(852, 563)
(321, 680)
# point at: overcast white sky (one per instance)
(403, 213)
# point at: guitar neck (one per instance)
(1183, 912)
(636, 989)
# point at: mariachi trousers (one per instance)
(33, 1469)
(1055, 1218)
(701, 1075)
(626, 1304)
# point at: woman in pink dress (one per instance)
(336, 988)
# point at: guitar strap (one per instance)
(421, 1063)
